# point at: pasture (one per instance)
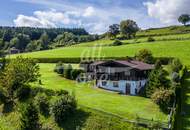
(126, 106)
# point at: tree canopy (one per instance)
(184, 18)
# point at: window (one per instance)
(104, 83)
(115, 84)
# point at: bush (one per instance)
(175, 77)
(62, 92)
(75, 73)
(43, 104)
(163, 98)
(176, 65)
(67, 72)
(29, 118)
(145, 55)
(150, 39)
(59, 68)
(23, 92)
(117, 43)
(63, 108)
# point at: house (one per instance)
(13, 50)
(124, 76)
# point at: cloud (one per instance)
(89, 12)
(167, 11)
(94, 16)
(48, 19)
(29, 21)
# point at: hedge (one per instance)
(76, 60)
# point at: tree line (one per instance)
(26, 39)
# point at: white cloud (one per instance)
(89, 12)
(48, 19)
(167, 11)
(29, 21)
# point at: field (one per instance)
(179, 49)
(168, 44)
(126, 106)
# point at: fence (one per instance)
(139, 121)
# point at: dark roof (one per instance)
(131, 63)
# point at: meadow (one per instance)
(179, 49)
(125, 106)
(168, 44)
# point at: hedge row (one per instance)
(164, 60)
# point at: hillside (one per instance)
(167, 44)
(164, 31)
(178, 49)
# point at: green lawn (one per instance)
(180, 49)
(184, 120)
(165, 31)
(126, 106)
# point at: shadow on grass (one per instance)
(185, 109)
(8, 107)
(76, 121)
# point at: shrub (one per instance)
(29, 118)
(43, 104)
(3, 98)
(63, 108)
(163, 98)
(23, 92)
(176, 65)
(59, 68)
(117, 43)
(175, 77)
(62, 92)
(150, 39)
(67, 72)
(156, 79)
(75, 73)
(145, 55)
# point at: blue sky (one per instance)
(94, 15)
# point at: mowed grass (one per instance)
(126, 106)
(164, 31)
(178, 49)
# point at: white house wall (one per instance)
(122, 85)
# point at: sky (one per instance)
(93, 15)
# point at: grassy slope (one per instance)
(84, 118)
(180, 49)
(184, 121)
(165, 31)
(126, 106)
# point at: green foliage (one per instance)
(63, 108)
(18, 73)
(117, 43)
(157, 79)
(163, 98)
(75, 73)
(176, 65)
(150, 39)
(43, 104)
(34, 39)
(23, 92)
(113, 31)
(67, 71)
(59, 68)
(29, 118)
(34, 46)
(128, 28)
(175, 77)
(144, 55)
(184, 18)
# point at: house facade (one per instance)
(124, 76)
